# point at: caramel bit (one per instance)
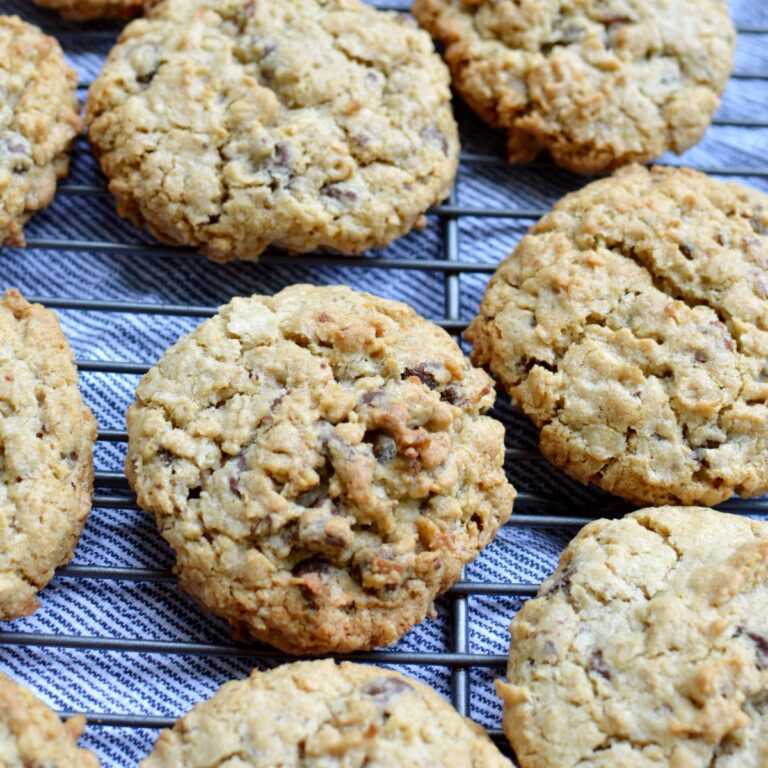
(315, 584)
(432, 537)
(670, 309)
(595, 260)
(383, 565)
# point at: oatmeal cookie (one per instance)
(596, 83)
(647, 647)
(320, 463)
(32, 736)
(39, 121)
(320, 713)
(631, 325)
(46, 453)
(233, 125)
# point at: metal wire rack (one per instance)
(532, 509)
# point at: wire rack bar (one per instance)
(272, 259)
(183, 647)
(161, 576)
(107, 719)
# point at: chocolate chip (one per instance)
(421, 373)
(385, 449)
(687, 250)
(279, 399)
(13, 143)
(597, 664)
(313, 498)
(338, 192)
(19, 149)
(314, 564)
(757, 222)
(434, 135)
(562, 583)
(282, 155)
(369, 397)
(194, 493)
(478, 521)
(700, 357)
(609, 19)
(761, 645)
(452, 395)
(383, 689)
(727, 339)
(166, 457)
(334, 541)
(146, 78)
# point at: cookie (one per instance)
(631, 325)
(84, 10)
(648, 646)
(46, 453)
(320, 713)
(32, 735)
(596, 84)
(320, 462)
(39, 120)
(234, 125)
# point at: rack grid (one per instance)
(532, 509)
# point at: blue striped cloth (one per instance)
(167, 685)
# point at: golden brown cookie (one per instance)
(647, 647)
(320, 462)
(322, 714)
(233, 125)
(39, 120)
(32, 736)
(596, 84)
(46, 453)
(631, 325)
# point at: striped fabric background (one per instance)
(135, 682)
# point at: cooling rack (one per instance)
(488, 211)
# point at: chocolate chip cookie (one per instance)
(647, 646)
(32, 735)
(233, 125)
(39, 120)
(596, 84)
(631, 325)
(46, 453)
(320, 462)
(320, 713)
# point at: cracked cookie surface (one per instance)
(596, 84)
(39, 121)
(32, 735)
(320, 462)
(647, 647)
(322, 714)
(46, 453)
(233, 125)
(631, 325)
